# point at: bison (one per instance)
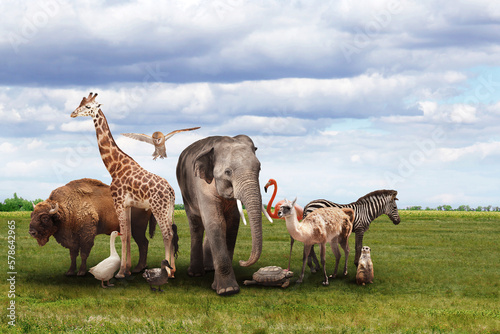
(75, 213)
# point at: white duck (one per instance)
(106, 269)
(157, 276)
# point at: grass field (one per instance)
(436, 272)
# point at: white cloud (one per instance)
(7, 147)
(78, 126)
(482, 150)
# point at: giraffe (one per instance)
(131, 186)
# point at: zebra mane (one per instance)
(377, 193)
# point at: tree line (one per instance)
(460, 208)
(20, 204)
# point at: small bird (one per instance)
(158, 139)
(105, 270)
(158, 276)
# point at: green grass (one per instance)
(436, 272)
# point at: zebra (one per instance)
(366, 209)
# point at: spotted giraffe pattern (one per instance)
(131, 186)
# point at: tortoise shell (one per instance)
(271, 274)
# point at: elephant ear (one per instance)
(204, 166)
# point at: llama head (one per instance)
(287, 208)
(88, 107)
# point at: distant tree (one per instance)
(464, 208)
(179, 207)
(18, 204)
(479, 208)
(414, 208)
(487, 208)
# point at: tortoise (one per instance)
(271, 276)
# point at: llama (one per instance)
(324, 225)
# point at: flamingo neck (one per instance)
(270, 204)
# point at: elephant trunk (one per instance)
(249, 193)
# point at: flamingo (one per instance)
(298, 208)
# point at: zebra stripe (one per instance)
(366, 208)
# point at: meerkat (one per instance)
(365, 267)
(158, 139)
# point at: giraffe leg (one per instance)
(164, 220)
(128, 213)
(124, 230)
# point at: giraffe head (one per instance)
(88, 107)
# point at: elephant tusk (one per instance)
(240, 209)
(266, 214)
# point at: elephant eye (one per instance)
(228, 172)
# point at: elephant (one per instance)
(213, 173)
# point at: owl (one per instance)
(158, 139)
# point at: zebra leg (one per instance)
(307, 249)
(335, 249)
(358, 245)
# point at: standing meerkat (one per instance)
(365, 267)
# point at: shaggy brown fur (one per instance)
(75, 213)
(323, 225)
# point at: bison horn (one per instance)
(54, 209)
(33, 205)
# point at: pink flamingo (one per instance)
(298, 209)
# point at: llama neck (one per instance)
(111, 154)
(292, 225)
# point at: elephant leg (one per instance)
(215, 228)
(73, 253)
(140, 219)
(208, 261)
(196, 258)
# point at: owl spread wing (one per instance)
(139, 136)
(167, 136)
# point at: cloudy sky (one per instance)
(341, 97)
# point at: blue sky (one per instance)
(341, 98)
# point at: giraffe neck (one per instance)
(112, 156)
